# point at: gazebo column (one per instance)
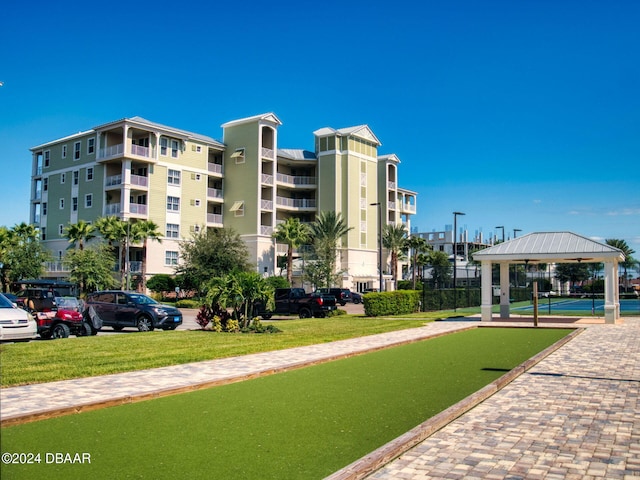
(611, 293)
(487, 292)
(504, 290)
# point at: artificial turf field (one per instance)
(302, 424)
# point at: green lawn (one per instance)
(46, 361)
(302, 424)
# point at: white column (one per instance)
(610, 293)
(504, 290)
(487, 291)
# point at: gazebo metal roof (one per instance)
(550, 247)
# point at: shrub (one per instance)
(391, 303)
(188, 303)
(336, 313)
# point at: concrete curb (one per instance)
(373, 461)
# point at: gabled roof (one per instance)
(392, 158)
(296, 154)
(547, 247)
(362, 131)
(265, 117)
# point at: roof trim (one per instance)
(263, 117)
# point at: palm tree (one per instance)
(327, 230)
(143, 231)
(417, 245)
(294, 234)
(78, 233)
(629, 261)
(115, 230)
(25, 232)
(394, 239)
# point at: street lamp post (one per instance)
(502, 227)
(379, 205)
(455, 254)
(516, 230)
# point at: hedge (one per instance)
(391, 303)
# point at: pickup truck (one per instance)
(295, 301)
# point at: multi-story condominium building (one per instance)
(183, 181)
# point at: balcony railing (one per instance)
(266, 204)
(51, 267)
(140, 150)
(214, 168)
(268, 153)
(266, 230)
(296, 179)
(139, 180)
(392, 205)
(112, 151)
(391, 185)
(112, 180)
(214, 193)
(267, 179)
(138, 208)
(296, 202)
(112, 209)
(407, 207)
(214, 218)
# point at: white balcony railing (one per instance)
(391, 185)
(214, 168)
(266, 230)
(296, 179)
(137, 208)
(112, 209)
(407, 207)
(266, 204)
(214, 193)
(267, 179)
(214, 218)
(51, 267)
(139, 180)
(296, 202)
(112, 180)
(140, 151)
(268, 153)
(112, 151)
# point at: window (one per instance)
(47, 158)
(174, 148)
(173, 204)
(238, 209)
(60, 229)
(44, 208)
(89, 174)
(74, 204)
(76, 150)
(45, 184)
(61, 203)
(43, 232)
(170, 258)
(64, 151)
(91, 145)
(76, 177)
(238, 155)
(173, 177)
(63, 177)
(88, 200)
(195, 202)
(173, 230)
(163, 146)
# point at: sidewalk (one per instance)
(576, 414)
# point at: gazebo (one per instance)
(549, 247)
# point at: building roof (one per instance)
(362, 131)
(269, 117)
(296, 154)
(549, 247)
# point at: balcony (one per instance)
(139, 180)
(137, 209)
(267, 179)
(113, 180)
(112, 209)
(266, 204)
(296, 180)
(408, 207)
(55, 267)
(268, 153)
(108, 153)
(296, 203)
(214, 218)
(215, 193)
(140, 151)
(266, 230)
(214, 168)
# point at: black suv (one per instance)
(118, 309)
(342, 295)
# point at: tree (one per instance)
(239, 291)
(145, 230)
(394, 239)
(572, 272)
(294, 234)
(440, 268)
(115, 231)
(78, 233)
(327, 230)
(417, 245)
(211, 253)
(161, 283)
(91, 268)
(21, 254)
(629, 261)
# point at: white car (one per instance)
(15, 323)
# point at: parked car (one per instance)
(342, 295)
(356, 297)
(295, 301)
(15, 323)
(119, 309)
(66, 320)
(37, 299)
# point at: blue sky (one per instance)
(518, 113)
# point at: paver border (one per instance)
(373, 461)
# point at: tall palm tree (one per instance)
(78, 233)
(394, 239)
(629, 261)
(25, 232)
(327, 230)
(294, 234)
(143, 231)
(115, 230)
(417, 245)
